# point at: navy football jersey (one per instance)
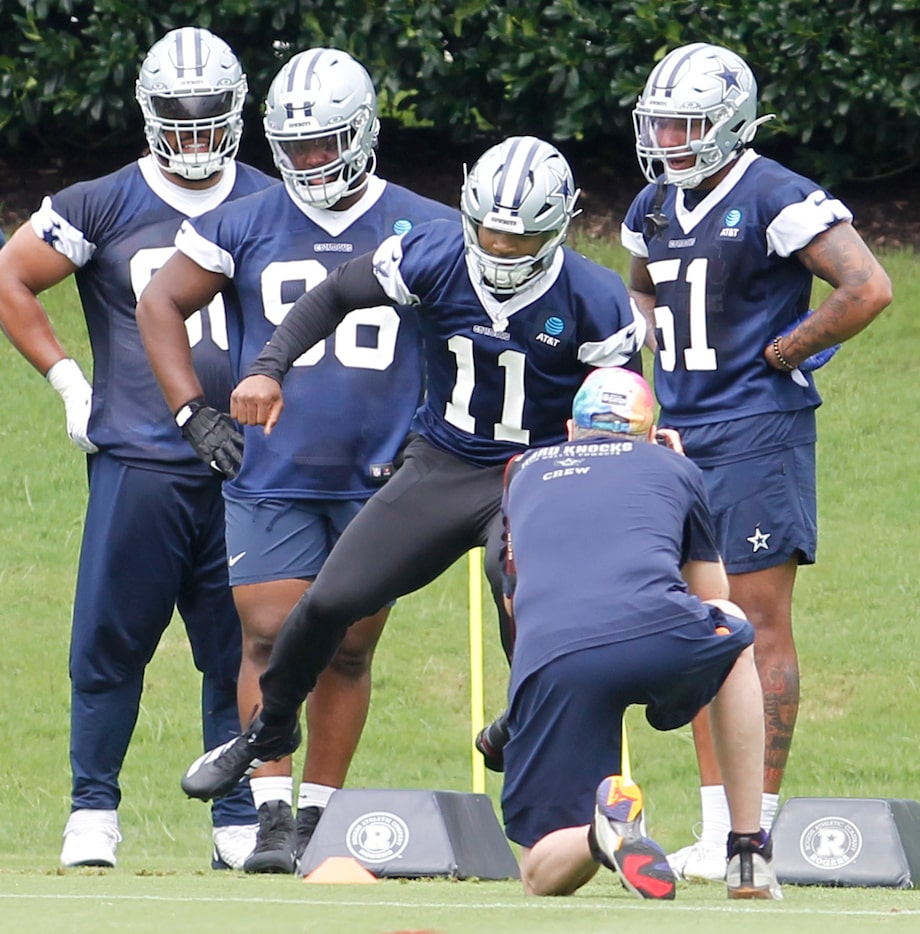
(599, 530)
(727, 283)
(118, 230)
(502, 373)
(349, 399)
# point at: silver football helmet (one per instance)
(191, 90)
(711, 92)
(523, 186)
(322, 95)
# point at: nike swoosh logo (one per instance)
(234, 558)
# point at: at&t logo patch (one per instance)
(731, 225)
(377, 837)
(554, 326)
(551, 334)
(830, 842)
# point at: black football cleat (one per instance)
(307, 819)
(218, 771)
(276, 840)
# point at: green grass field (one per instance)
(857, 637)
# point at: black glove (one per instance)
(213, 435)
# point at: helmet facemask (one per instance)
(707, 142)
(324, 185)
(503, 275)
(191, 90)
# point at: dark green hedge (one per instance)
(841, 75)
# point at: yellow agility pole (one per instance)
(477, 700)
(625, 769)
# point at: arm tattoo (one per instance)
(841, 258)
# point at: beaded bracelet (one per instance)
(779, 356)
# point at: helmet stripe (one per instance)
(188, 52)
(300, 77)
(180, 50)
(666, 83)
(518, 165)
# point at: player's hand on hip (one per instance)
(257, 400)
(213, 435)
(816, 360)
(68, 380)
(813, 362)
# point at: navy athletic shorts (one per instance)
(565, 720)
(760, 476)
(272, 540)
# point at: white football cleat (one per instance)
(232, 845)
(91, 838)
(699, 862)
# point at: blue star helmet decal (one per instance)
(561, 188)
(728, 76)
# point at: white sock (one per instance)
(313, 795)
(272, 788)
(717, 821)
(769, 804)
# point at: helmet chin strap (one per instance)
(360, 181)
(192, 173)
(656, 221)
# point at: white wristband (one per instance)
(66, 376)
(69, 382)
(185, 413)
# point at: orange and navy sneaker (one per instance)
(617, 841)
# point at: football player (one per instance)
(153, 537)
(511, 321)
(351, 398)
(725, 246)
